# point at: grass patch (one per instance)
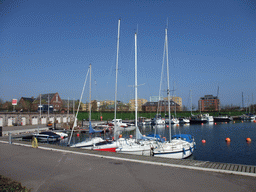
(7, 184)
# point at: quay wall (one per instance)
(22, 118)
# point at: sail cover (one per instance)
(139, 136)
(185, 137)
(91, 130)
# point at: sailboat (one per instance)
(91, 143)
(180, 146)
(110, 145)
(140, 145)
(222, 117)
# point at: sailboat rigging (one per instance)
(137, 146)
(78, 109)
(88, 144)
(180, 146)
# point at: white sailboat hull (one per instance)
(174, 121)
(160, 122)
(88, 144)
(135, 150)
(174, 150)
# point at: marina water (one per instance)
(216, 149)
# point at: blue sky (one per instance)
(47, 46)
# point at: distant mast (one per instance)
(48, 106)
(242, 100)
(90, 97)
(191, 101)
(168, 85)
(40, 109)
(68, 106)
(73, 106)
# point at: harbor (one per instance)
(214, 149)
(54, 165)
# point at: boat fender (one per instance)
(184, 152)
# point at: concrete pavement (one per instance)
(46, 170)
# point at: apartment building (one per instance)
(140, 103)
(209, 103)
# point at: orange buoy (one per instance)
(77, 135)
(242, 121)
(228, 139)
(130, 136)
(215, 123)
(226, 122)
(62, 137)
(167, 126)
(178, 125)
(254, 121)
(201, 123)
(203, 141)
(234, 122)
(248, 140)
(120, 136)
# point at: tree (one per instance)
(211, 107)
(193, 107)
(94, 105)
(103, 107)
(76, 105)
(1, 103)
(184, 108)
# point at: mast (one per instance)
(40, 108)
(249, 105)
(252, 104)
(48, 107)
(191, 101)
(68, 107)
(136, 87)
(168, 85)
(159, 99)
(90, 112)
(73, 106)
(116, 74)
(243, 100)
(78, 108)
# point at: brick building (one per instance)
(53, 98)
(177, 100)
(209, 103)
(163, 106)
(26, 103)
